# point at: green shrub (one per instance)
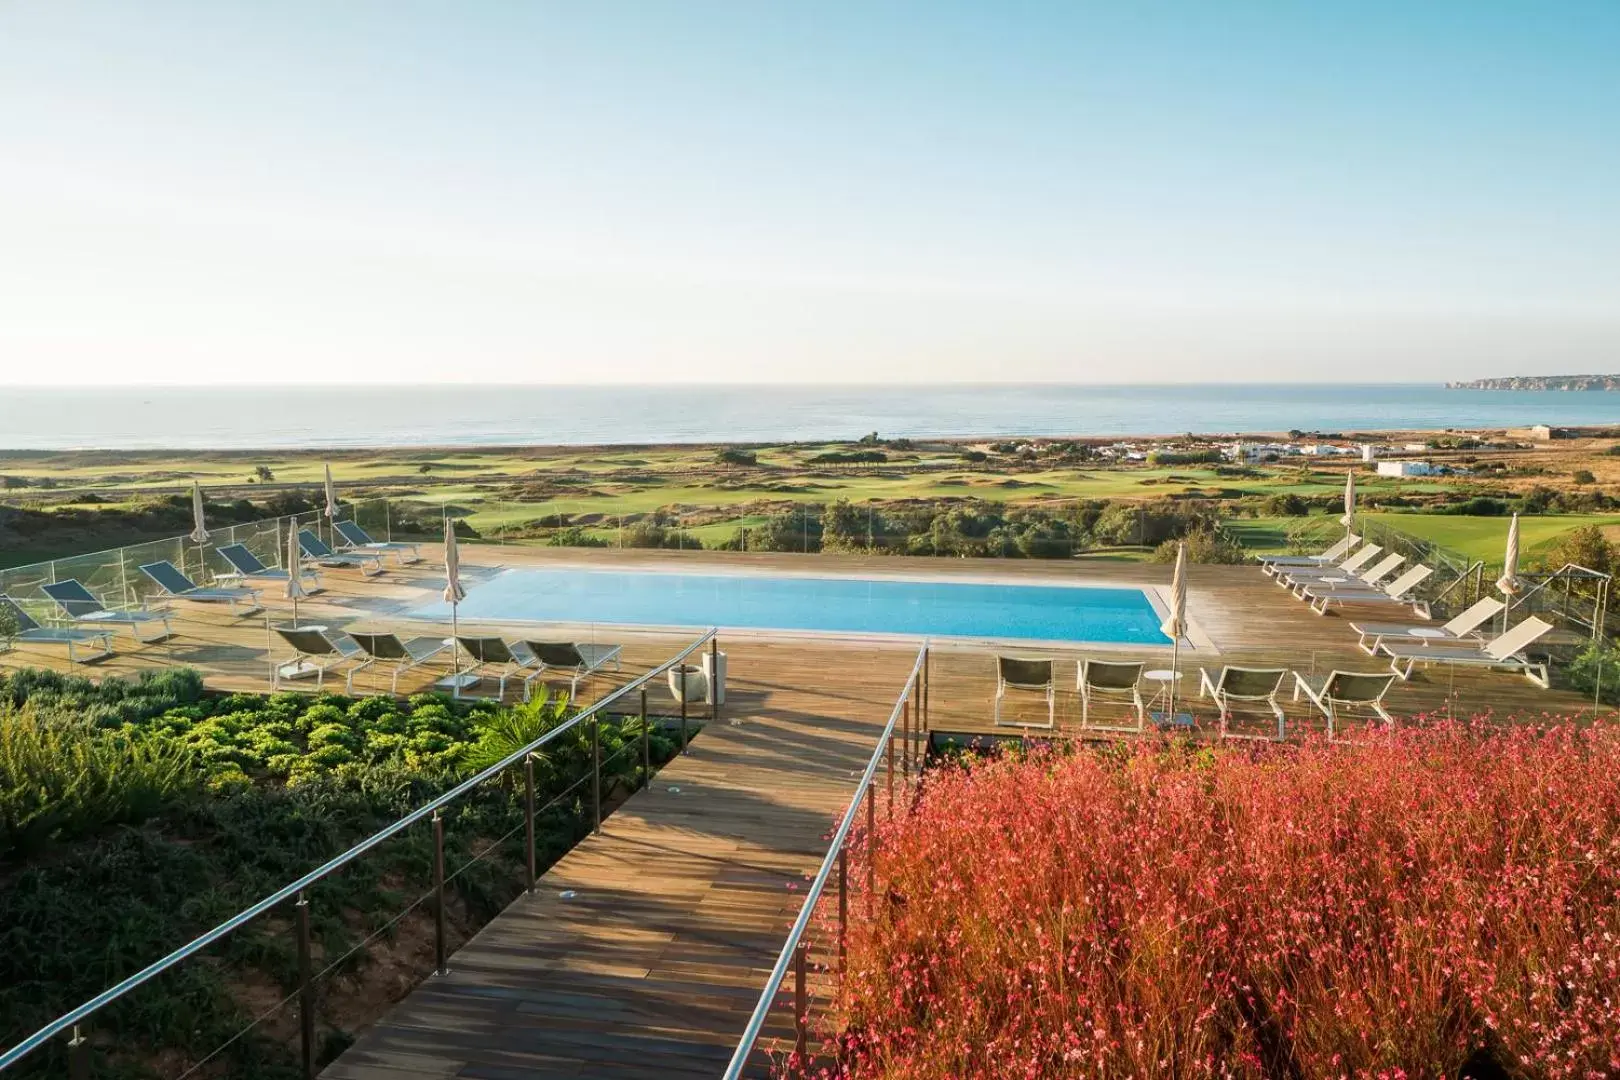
(1595, 671)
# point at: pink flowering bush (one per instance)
(1441, 902)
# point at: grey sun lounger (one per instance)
(1111, 678)
(1245, 686)
(247, 566)
(313, 546)
(315, 652)
(493, 658)
(30, 632)
(80, 604)
(169, 578)
(1399, 591)
(1507, 651)
(1327, 557)
(1461, 628)
(1343, 690)
(390, 649)
(357, 539)
(1030, 673)
(577, 659)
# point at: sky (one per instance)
(223, 192)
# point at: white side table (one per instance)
(1158, 703)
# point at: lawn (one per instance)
(1484, 538)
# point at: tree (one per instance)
(1584, 546)
(263, 474)
(1584, 476)
(733, 455)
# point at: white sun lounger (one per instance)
(1399, 591)
(30, 632)
(169, 578)
(1288, 576)
(357, 539)
(1327, 557)
(1369, 577)
(1507, 651)
(80, 604)
(1113, 678)
(1461, 628)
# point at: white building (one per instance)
(1415, 447)
(1369, 452)
(1405, 468)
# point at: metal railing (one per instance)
(73, 1022)
(910, 714)
(1584, 602)
(113, 574)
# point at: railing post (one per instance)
(843, 907)
(683, 665)
(871, 850)
(306, 990)
(78, 1056)
(528, 822)
(888, 772)
(596, 771)
(905, 744)
(439, 966)
(646, 742)
(801, 1009)
(714, 679)
(928, 683)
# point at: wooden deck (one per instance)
(680, 905)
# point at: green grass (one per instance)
(1485, 537)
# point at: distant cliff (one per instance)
(1542, 382)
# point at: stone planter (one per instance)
(687, 682)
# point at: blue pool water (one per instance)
(840, 604)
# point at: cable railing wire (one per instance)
(69, 1020)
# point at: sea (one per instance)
(495, 414)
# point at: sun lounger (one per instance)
(315, 652)
(1245, 686)
(1348, 569)
(1026, 673)
(1507, 651)
(492, 658)
(1327, 557)
(30, 632)
(1399, 591)
(80, 604)
(578, 660)
(245, 566)
(169, 578)
(1461, 628)
(390, 649)
(1109, 678)
(357, 539)
(313, 546)
(1369, 577)
(1343, 690)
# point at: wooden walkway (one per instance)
(642, 952)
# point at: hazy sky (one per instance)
(608, 191)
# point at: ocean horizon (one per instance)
(335, 417)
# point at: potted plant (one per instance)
(687, 682)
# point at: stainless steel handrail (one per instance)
(287, 892)
(863, 790)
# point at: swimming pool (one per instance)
(834, 604)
